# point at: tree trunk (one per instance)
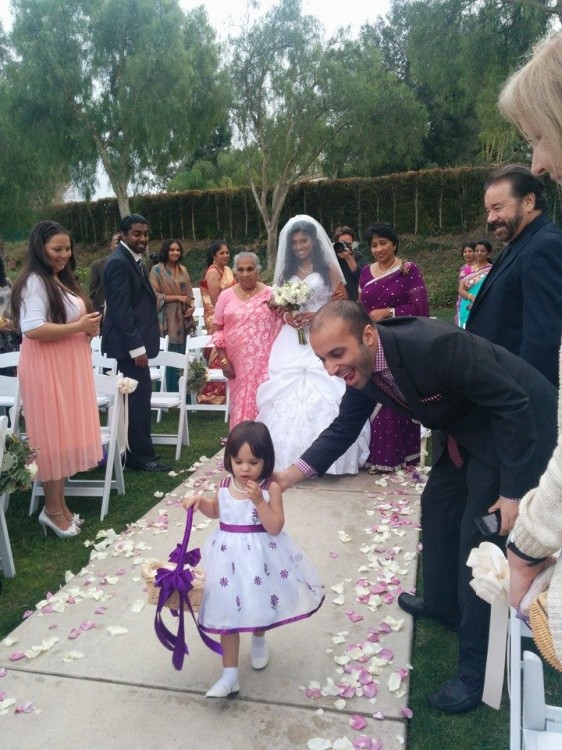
(119, 182)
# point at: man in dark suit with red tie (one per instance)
(520, 303)
(493, 418)
(131, 333)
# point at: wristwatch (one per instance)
(392, 312)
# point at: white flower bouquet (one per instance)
(292, 295)
(18, 468)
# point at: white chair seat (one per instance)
(165, 400)
(194, 348)
(6, 557)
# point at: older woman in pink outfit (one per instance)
(245, 328)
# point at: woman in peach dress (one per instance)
(55, 369)
(245, 328)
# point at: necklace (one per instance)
(306, 269)
(237, 488)
(247, 294)
(386, 270)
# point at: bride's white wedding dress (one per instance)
(300, 399)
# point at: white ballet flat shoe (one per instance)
(262, 660)
(222, 690)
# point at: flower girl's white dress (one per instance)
(300, 399)
(254, 580)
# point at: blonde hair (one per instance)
(532, 97)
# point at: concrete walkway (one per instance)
(89, 689)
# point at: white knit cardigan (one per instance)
(538, 530)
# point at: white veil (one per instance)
(325, 260)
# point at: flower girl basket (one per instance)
(538, 616)
(178, 586)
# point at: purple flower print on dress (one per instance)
(223, 547)
(272, 544)
(257, 581)
(233, 568)
(266, 569)
(224, 581)
(255, 517)
(284, 573)
(274, 601)
(238, 604)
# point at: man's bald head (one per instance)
(350, 313)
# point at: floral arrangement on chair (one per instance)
(197, 376)
(19, 467)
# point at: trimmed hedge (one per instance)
(432, 201)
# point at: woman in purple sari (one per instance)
(390, 288)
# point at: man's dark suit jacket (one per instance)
(494, 404)
(131, 319)
(97, 289)
(520, 303)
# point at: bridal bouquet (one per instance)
(18, 468)
(292, 295)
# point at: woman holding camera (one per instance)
(351, 262)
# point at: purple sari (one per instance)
(395, 439)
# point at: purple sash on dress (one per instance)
(244, 529)
(179, 580)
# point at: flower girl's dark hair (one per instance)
(258, 438)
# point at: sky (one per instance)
(226, 15)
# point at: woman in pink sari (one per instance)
(245, 328)
(390, 288)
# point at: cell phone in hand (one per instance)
(490, 524)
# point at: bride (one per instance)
(300, 399)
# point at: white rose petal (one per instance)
(138, 606)
(115, 630)
(317, 743)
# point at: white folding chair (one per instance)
(6, 557)
(158, 372)
(165, 400)
(95, 343)
(533, 725)
(194, 348)
(8, 359)
(198, 314)
(103, 365)
(10, 400)
(113, 436)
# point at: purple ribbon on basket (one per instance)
(179, 580)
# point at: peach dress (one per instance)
(58, 395)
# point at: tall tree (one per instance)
(133, 83)
(279, 105)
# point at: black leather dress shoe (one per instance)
(456, 697)
(152, 466)
(415, 606)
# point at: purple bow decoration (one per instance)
(180, 581)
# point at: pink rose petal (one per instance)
(3, 671)
(407, 713)
(357, 722)
(71, 600)
(333, 555)
(386, 653)
(25, 708)
(370, 690)
(379, 716)
(89, 625)
(16, 656)
(100, 611)
(313, 693)
(353, 616)
(74, 633)
(403, 672)
(47, 610)
(26, 614)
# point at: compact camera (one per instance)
(341, 247)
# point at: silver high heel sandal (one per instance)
(46, 522)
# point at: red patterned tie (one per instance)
(454, 451)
